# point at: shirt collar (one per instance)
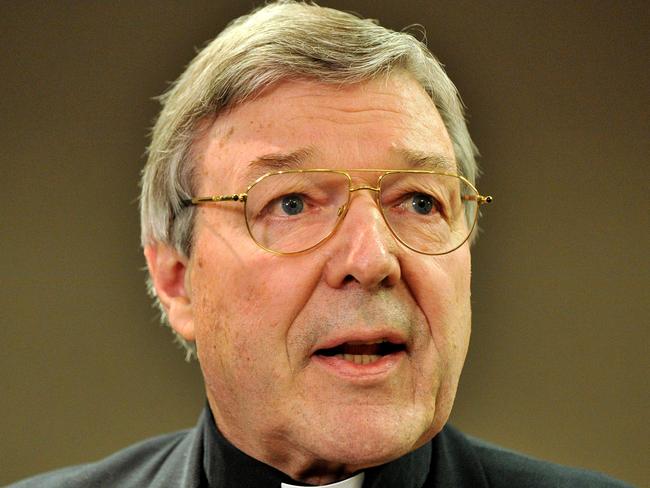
(355, 482)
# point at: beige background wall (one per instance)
(558, 95)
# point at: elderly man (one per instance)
(307, 212)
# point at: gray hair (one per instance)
(285, 39)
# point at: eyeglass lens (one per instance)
(294, 211)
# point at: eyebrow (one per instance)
(428, 161)
(277, 162)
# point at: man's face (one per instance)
(259, 319)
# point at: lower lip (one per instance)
(353, 371)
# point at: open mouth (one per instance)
(362, 352)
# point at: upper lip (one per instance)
(362, 337)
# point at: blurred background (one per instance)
(558, 99)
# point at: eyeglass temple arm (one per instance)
(238, 197)
(480, 199)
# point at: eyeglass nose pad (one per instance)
(342, 209)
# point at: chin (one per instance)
(374, 436)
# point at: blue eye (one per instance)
(422, 203)
(292, 204)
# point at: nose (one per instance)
(363, 250)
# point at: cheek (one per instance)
(245, 299)
(230, 334)
(441, 286)
(443, 293)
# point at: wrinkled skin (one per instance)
(257, 318)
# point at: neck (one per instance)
(277, 450)
(226, 466)
(319, 461)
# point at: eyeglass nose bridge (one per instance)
(364, 187)
(344, 208)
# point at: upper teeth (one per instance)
(359, 358)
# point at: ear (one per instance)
(167, 268)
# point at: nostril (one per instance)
(387, 282)
(349, 279)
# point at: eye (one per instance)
(292, 204)
(423, 203)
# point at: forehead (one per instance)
(383, 123)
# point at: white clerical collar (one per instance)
(354, 482)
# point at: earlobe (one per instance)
(168, 268)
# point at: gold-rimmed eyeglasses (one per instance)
(294, 211)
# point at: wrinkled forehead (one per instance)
(385, 123)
